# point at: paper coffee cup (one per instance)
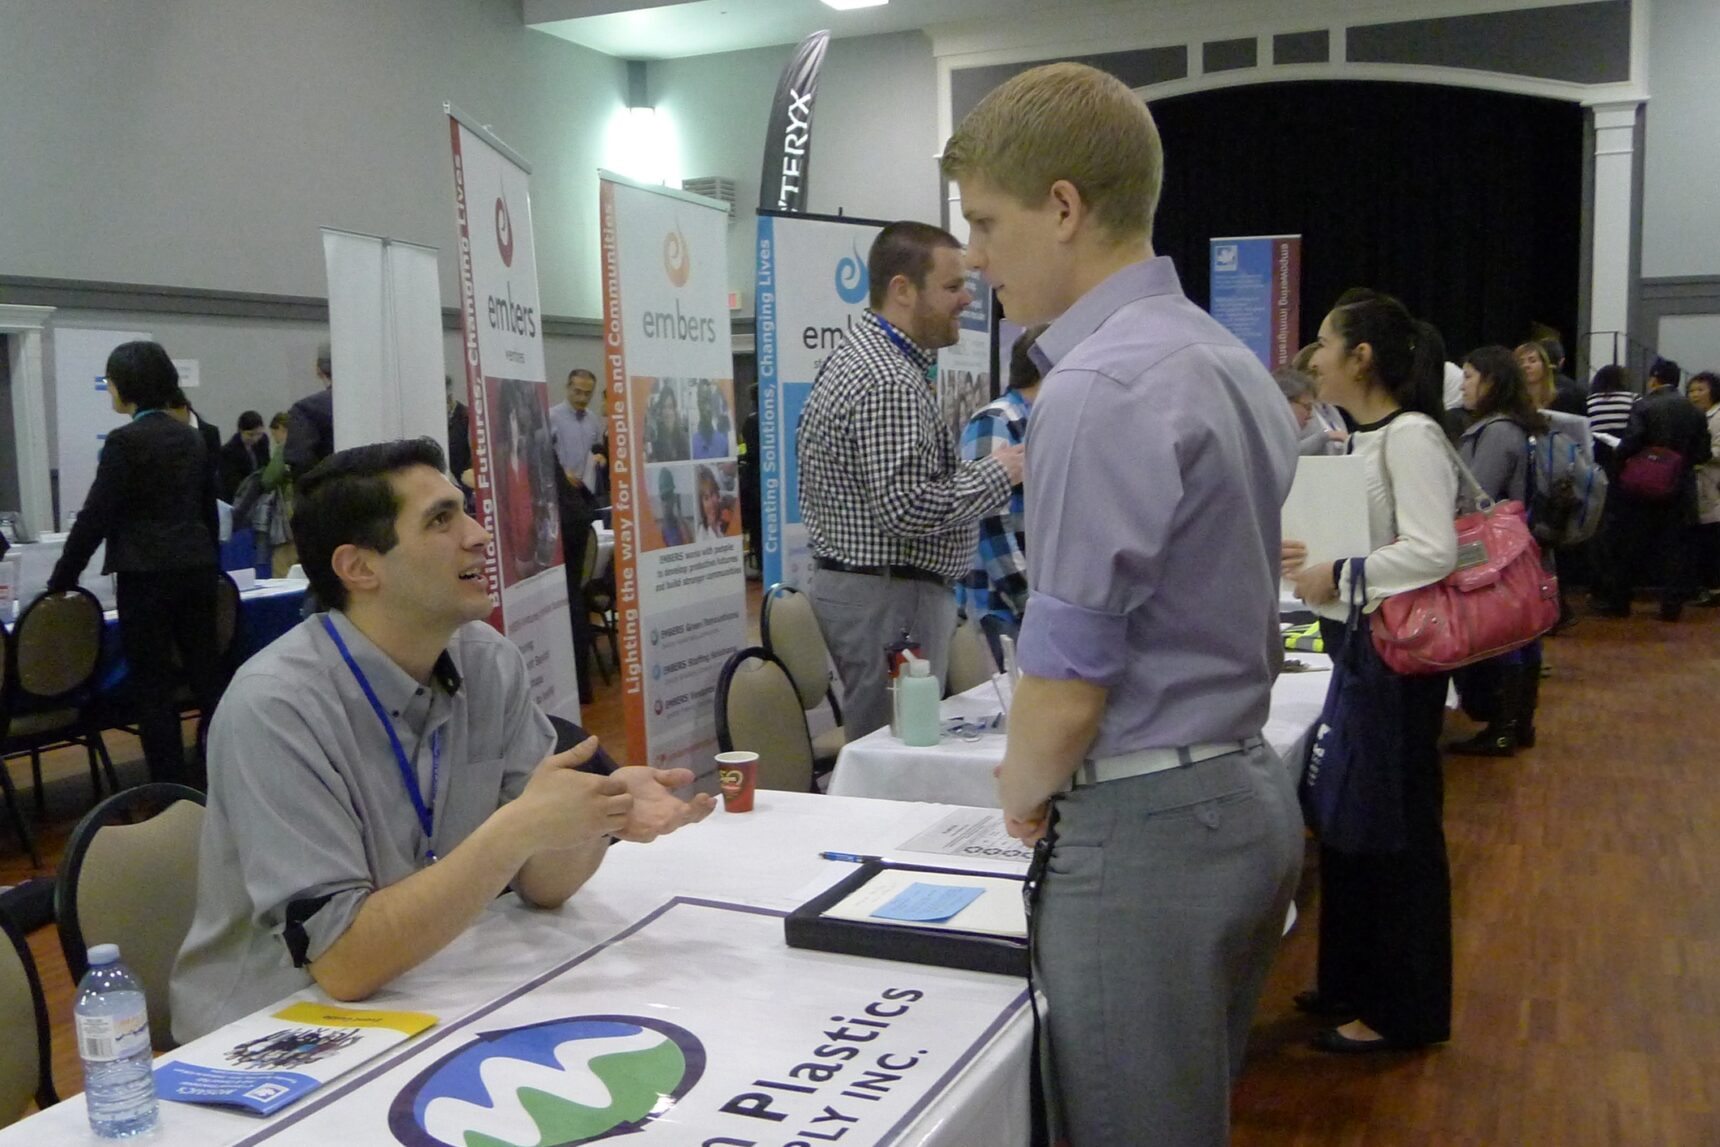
(738, 773)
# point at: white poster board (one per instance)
(668, 358)
(1327, 509)
(513, 459)
(83, 411)
(812, 286)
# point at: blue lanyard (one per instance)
(408, 774)
(902, 344)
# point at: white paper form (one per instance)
(1327, 509)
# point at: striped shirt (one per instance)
(880, 482)
(1609, 411)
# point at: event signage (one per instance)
(812, 286)
(964, 368)
(788, 135)
(669, 390)
(513, 459)
(632, 1040)
(1257, 293)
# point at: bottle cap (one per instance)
(104, 954)
(919, 667)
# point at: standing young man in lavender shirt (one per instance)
(1158, 455)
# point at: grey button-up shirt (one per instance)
(308, 813)
(1158, 456)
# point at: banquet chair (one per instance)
(129, 877)
(26, 1060)
(971, 662)
(790, 633)
(47, 690)
(758, 711)
(597, 596)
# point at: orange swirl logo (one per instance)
(677, 260)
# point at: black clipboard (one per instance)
(808, 927)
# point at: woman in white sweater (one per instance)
(1385, 919)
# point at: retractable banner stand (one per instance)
(669, 363)
(84, 411)
(964, 369)
(513, 459)
(1257, 293)
(812, 286)
(385, 331)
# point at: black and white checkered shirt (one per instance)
(880, 480)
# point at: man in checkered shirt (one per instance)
(890, 509)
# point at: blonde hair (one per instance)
(1066, 121)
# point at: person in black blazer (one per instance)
(153, 502)
(180, 408)
(247, 451)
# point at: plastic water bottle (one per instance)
(113, 1041)
(917, 702)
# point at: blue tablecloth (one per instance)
(263, 616)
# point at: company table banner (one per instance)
(964, 369)
(1257, 293)
(513, 459)
(670, 395)
(751, 1043)
(83, 409)
(788, 132)
(385, 331)
(812, 285)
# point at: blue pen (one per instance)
(851, 857)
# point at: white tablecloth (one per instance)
(768, 857)
(958, 771)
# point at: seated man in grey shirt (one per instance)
(1158, 456)
(381, 773)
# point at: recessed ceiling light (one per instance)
(845, 5)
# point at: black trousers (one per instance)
(1633, 531)
(1385, 920)
(577, 515)
(167, 630)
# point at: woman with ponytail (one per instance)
(1385, 918)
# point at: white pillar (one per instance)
(26, 325)
(1609, 277)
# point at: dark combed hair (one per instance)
(1409, 355)
(1023, 371)
(1609, 378)
(250, 420)
(1666, 372)
(348, 500)
(903, 248)
(1507, 391)
(143, 375)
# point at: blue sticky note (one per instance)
(928, 903)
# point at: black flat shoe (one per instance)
(1335, 1041)
(1314, 1004)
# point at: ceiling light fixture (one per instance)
(846, 5)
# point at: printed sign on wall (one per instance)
(1257, 293)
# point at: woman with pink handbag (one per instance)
(1385, 913)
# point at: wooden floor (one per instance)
(1585, 876)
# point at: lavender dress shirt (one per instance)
(1158, 456)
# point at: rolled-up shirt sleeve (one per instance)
(308, 876)
(1104, 484)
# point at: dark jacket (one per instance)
(1665, 418)
(238, 461)
(1570, 396)
(153, 502)
(310, 431)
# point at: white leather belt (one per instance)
(1144, 761)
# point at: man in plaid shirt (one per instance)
(890, 509)
(995, 590)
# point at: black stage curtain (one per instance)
(1465, 204)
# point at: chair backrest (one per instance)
(588, 560)
(25, 1058)
(790, 632)
(58, 643)
(971, 662)
(135, 885)
(226, 613)
(758, 711)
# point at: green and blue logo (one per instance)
(552, 1084)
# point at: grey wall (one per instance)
(1680, 225)
(201, 143)
(874, 131)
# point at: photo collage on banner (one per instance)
(812, 287)
(513, 458)
(669, 366)
(964, 370)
